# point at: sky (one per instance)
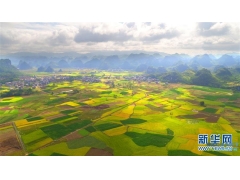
(169, 37)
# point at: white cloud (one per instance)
(170, 37)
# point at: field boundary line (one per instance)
(19, 138)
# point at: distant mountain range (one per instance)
(121, 60)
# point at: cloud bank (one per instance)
(148, 36)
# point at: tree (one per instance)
(71, 79)
(75, 91)
(202, 103)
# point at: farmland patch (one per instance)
(148, 139)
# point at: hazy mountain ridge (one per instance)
(122, 60)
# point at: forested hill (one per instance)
(7, 71)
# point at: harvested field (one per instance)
(213, 118)
(102, 106)
(5, 108)
(9, 144)
(98, 152)
(72, 136)
(55, 116)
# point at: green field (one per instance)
(141, 119)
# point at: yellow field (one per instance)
(62, 95)
(228, 128)
(152, 126)
(221, 120)
(220, 111)
(121, 114)
(109, 112)
(139, 112)
(204, 131)
(6, 127)
(12, 99)
(25, 123)
(70, 104)
(129, 109)
(89, 102)
(116, 131)
(141, 102)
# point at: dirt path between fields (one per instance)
(19, 138)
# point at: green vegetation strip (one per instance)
(69, 111)
(148, 139)
(61, 118)
(90, 129)
(133, 121)
(106, 126)
(210, 110)
(79, 125)
(124, 93)
(106, 92)
(34, 118)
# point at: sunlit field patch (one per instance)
(116, 131)
(121, 114)
(70, 104)
(5, 127)
(228, 128)
(152, 127)
(129, 109)
(221, 120)
(33, 136)
(11, 99)
(205, 131)
(90, 101)
(24, 123)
